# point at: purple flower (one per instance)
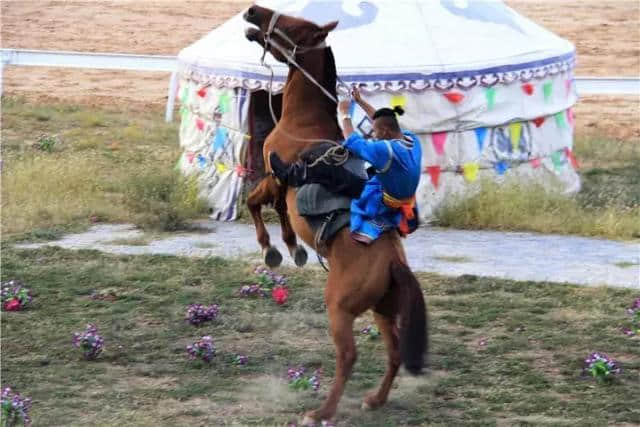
(627, 331)
(202, 349)
(15, 408)
(252, 290)
(371, 330)
(601, 366)
(298, 380)
(198, 314)
(268, 279)
(89, 341)
(240, 360)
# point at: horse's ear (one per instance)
(320, 35)
(327, 28)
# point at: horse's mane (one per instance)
(329, 83)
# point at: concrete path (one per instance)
(518, 256)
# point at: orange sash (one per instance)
(406, 208)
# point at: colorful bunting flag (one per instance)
(567, 85)
(202, 92)
(185, 94)
(434, 173)
(556, 158)
(515, 130)
(490, 94)
(221, 167)
(224, 102)
(571, 157)
(535, 163)
(399, 100)
(560, 120)
(438, 139)
(202, 161)
(241, 171)
(538, 121)
(480, 134)
(190, 155)
(547, 89)
(570, 116)
(528, 88)
(454, 97)
(470, 171)
(501, 167)
(220, 138)
(200, 123)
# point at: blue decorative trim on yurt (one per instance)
(464, 79)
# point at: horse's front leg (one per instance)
(266, 192)
(298, 252)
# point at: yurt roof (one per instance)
(394, 45)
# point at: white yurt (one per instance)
(489, 93)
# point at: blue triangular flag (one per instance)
(202, 161)
(480, 134)
(220, 139)
(501, 167)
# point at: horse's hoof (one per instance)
(371, 402)
(307, 421)
(272, 257)
(300, 256)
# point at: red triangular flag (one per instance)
(438, 139)
(571, 157)
(202, 92)
(454, 97)
(200, 124)
(570, 116)
(190, 156)
(527, 88)
(539, 121)
(434, 173)
(535, 163)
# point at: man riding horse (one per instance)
(387, 200)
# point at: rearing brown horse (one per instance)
(361, 277)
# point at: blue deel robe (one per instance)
(398, 166)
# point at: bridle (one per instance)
(290, 54)
(337, 154)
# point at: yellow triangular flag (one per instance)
(398, 100)
(221, 167)
(515, 130)
(470, 171)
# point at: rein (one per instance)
(336, 155)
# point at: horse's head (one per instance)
(281, 33)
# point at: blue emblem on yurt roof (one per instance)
(483, 11)
(322, 12)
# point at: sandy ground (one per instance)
(606, 34)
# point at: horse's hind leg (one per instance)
(298, 252)
(341, 324)
(264, 193)
(389, 333)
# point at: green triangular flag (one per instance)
(224, 101)
(547, 89)
(178, 165)
(490, 93)
(560, 120)
(185, 94)
(556, 158)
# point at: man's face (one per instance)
(379, 131)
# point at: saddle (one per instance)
(326, 212)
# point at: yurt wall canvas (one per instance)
(213, 135)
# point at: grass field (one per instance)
(64, 165)
(502, 352)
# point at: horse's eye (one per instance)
(251, 11)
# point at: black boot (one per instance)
(294, 175)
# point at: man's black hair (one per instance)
(387, 117)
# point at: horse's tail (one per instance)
(413, 318)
